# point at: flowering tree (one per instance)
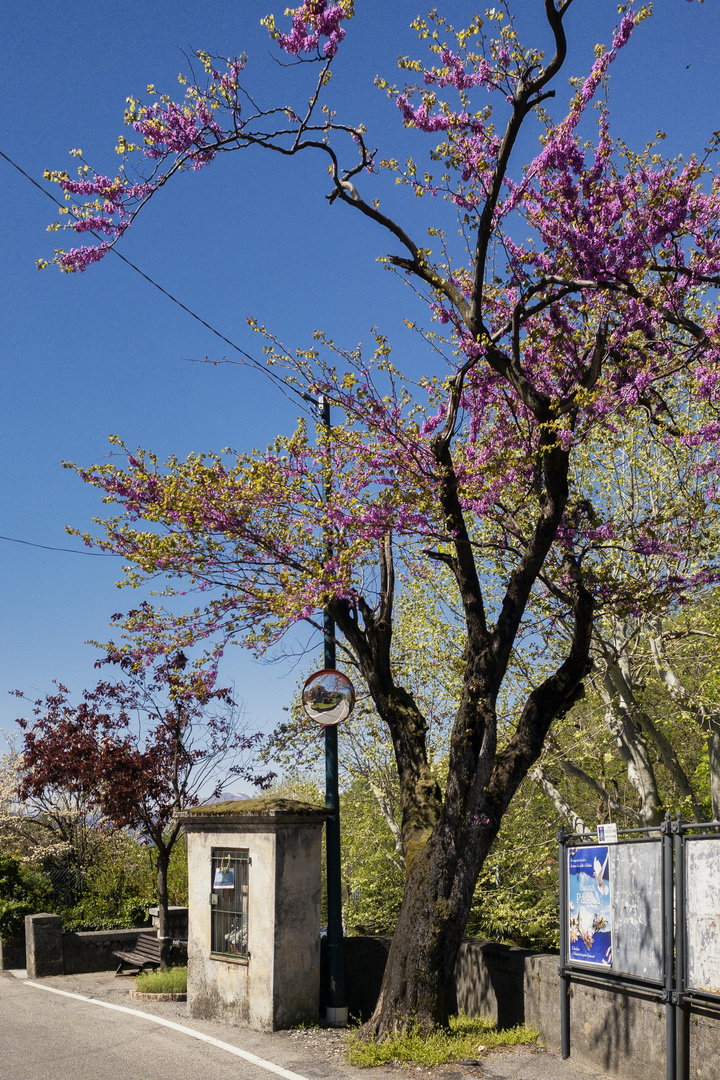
(57, 829)
(138, 750)
(578, 300)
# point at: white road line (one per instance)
(252, 1058)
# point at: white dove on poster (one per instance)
(599, 869)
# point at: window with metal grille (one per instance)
(229, 902)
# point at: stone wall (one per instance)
(92, 950)
(490, 981)
(81, 952)
(177, 927)
(619, 1031)
(365, 959)
(49, 951)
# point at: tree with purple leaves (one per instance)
(576, 304)
(138, 750)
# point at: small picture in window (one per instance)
(224, 879)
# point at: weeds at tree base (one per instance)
(465, 1037)
(171, 981)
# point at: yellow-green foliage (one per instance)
(465, 1037)
(121, 884)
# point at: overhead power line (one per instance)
(282, 384)
(71, 551)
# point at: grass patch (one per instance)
(171, 981)
(465, 1037)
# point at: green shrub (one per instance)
(23, 891)
(121, 884)
(171, 981)
(465, 1037)
(94, 913)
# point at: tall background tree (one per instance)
(572, 300)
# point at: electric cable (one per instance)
(282, 384)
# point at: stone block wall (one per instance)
(621, 1032)
(43, 945)
(49, 951)
(91, 950)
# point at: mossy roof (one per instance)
(265, 804)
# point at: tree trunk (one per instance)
(707, 718)
(633, 749)
(163, 861)
(620, 684)
(563, 807)
(714, 762)
(419, 984)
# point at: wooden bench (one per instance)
(144, 955)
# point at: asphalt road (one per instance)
(86, 1027)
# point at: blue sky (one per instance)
(88, 355)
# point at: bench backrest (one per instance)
(147, 945)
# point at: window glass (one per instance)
(229, 902)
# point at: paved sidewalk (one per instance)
(315, 1054)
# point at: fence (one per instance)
(643, 913)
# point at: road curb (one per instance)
(141, 995)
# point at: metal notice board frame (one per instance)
(644, 914)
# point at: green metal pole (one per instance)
(337, 1013)
(669, 949)
(562, 968)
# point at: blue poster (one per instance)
(589, 901)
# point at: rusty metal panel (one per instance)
(702, 913)
(636, 873)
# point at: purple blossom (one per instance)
(311, 22)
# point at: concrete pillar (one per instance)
(43, 945)
(274, 980)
